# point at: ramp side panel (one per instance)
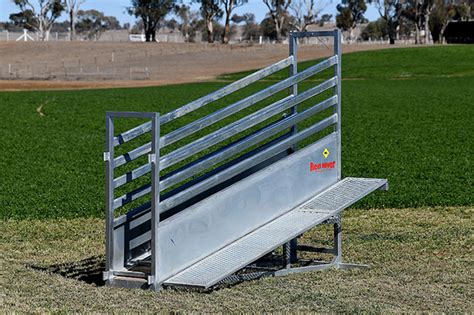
(247, 249)
(244, 206)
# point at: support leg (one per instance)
(287, 255)
(338, 249)
(293, 250)
(337, 240)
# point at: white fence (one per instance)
(108, 36)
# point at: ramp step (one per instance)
(254, 245)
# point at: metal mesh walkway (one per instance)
(254, 245)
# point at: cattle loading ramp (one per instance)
(217, 208)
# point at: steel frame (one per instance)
(290, 249)
(116, 256)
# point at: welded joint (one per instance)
(106, 156)
(384, 187)
(152, 158)
(334, 220)
(153, 285)
(151, 280)
(107, 275)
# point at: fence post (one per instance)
(337, 91)
(155, 201)
(109, 194)
(293, 71)
(291, 247)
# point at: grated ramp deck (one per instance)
(254, 245)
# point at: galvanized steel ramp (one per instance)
(254, 245)
(205, 198)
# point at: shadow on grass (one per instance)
(88, 270)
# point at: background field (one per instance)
(101, 64)
(409, 121)
(407, 116)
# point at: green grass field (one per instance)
(408, 115)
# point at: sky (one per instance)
(117, 8)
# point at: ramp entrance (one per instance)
(212, 202)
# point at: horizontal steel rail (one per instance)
(132, 155)
(248, 142)
(313, 34)
(132, 175)
(226, 111)
(227, 131)
(242, 124)
(132, 196)
(244, 103)
(133, 215)
(228, 89)
(245, 164)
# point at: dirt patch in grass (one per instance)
(421, 261)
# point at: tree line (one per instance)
(398, 18)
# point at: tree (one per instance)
(10, 26)
(351, 13)
(267, 27)
(278, 10)
(93, 23)
(72, 6)
(229, 6)
(60, 27)
(445, 10)
(183, 12)
(246, 17)
(210, 11)
(324, 19)
(38, 21)
(375, 30)
(421, 10)
(391, 11)
(137, 27)
(251, 29)
(151, 12)
(305, 13)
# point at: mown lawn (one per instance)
(421, 260)
(415, 130)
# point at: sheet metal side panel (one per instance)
(241, 208)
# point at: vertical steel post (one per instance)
(338, 241)
(292, 245)
(109, 194)
(337, 91)
(293, 71)
(155, 202)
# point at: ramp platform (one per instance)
(254, 245)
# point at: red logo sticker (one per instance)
(321, 167)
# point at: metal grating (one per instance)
(343, 194)
(254, 245)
